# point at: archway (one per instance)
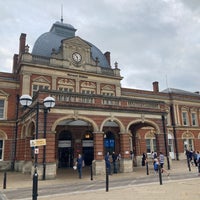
(111, 128)
(143, 139)
(74, 136)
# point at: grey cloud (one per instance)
(150, 39)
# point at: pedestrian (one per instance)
(114, 160)
(195, 158)
(152, 155)
(191, 157)
(143, 159)
(156, 166)
(107, 162)
(161, 161)
(131, 155)
(118, 162)
(198, 162)
(79, 164)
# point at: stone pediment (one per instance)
(41, 79)
(76, 41)
(108, 88)
(4, 94)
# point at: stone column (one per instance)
(26, 84)
(126, 164)
(98, 162)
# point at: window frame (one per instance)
(39, 85)
(185, 118)
(2, 149)
(194, 120)
(3, 109)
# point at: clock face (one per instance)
(76, 57)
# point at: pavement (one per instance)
(186, 188)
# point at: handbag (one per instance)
(75, 167)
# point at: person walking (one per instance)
(156, 166)
(195, 158)
(114, 160)
(79, 163)
(198, 162)
(143, 159)
(161, 160)
(107, 162)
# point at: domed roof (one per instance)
(52, 40)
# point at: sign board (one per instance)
(36, 151)
(64, 143)
(87, 143)
(38, 142)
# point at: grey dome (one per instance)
(52, 40)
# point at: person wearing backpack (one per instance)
(156, 166)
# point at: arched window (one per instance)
(188, 141)
(150, 142)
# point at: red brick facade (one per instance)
(92, 115)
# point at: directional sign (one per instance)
(38, 142)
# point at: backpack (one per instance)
(156, 166)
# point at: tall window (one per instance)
(37, 87)
(65, 97)
(87, 99)
(151, 145)
(2, 105)
(194, 119)
(188, 144)
(2, 139)
(1, 149)
(188, 140)
(185, 119)
(150, 142)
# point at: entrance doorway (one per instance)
(65, 157)
(65, 150)
(88, 153)
(88, 148)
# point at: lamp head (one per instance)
(49, 102)
(25, 100)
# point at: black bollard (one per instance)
(107, 180)
(147, 168)
(188, 162)
(199, 167)
(160, 174)
(91, 173)
(35, 185)
(4, 180)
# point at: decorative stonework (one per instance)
(66, 82)
(41, 79)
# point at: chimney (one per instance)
(15, 61)
(107, 55)
(155, 86)
(22, 43)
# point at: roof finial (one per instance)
(61, 13)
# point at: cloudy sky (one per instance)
(152, 40)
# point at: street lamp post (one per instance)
(165, 140)
(49, 102)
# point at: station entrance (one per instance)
(65, 150)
